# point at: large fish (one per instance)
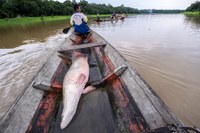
(73, 86)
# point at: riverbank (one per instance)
(192, 13)
(33, 20)
(193, 17)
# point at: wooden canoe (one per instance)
(122, 102)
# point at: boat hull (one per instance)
(125, 104)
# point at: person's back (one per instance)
(79, 21)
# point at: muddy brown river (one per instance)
(165, 50)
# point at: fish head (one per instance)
(77, 54)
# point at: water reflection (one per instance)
(193, 21)
(14, 36)
(193, 18)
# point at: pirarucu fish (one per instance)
(73, 86)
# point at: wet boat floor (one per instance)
(93, 115)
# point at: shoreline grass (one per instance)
(192, 13)
(29, 20)
(33, 20)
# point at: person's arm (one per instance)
(71, 21)
(85, 19)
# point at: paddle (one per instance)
(66, 30)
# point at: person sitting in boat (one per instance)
(98, 18)
(82, 32)
(79, 22)
(113, 16)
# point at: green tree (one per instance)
(29, 8)
(67, 7)
(13, 8)
(7, 10)
(194, 7)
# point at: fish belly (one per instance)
(73, 85)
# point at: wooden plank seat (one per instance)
(95, 74)
(81, 46)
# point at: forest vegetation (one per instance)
(41, 8)
(195, 7)
(30, 8)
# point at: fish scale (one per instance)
(72, 76)
(73, 88)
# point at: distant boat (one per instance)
(103, 20)
(122, 102)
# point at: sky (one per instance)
(146, 4)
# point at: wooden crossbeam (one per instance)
(111, 77)
(81, 46)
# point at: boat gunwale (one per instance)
(168, 116)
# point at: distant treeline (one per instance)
(161, 11)
(194, 7)
(33, 8)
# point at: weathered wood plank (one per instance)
(44, 79)
(111, 77)
(45, 83)
(153, 109)
(151, 115)
(20, 114)
(155, 112)
(19, 117)
(81, 46)
(44, 114)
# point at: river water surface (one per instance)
(164, 49)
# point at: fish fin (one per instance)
(88, 89)
(81, 79)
